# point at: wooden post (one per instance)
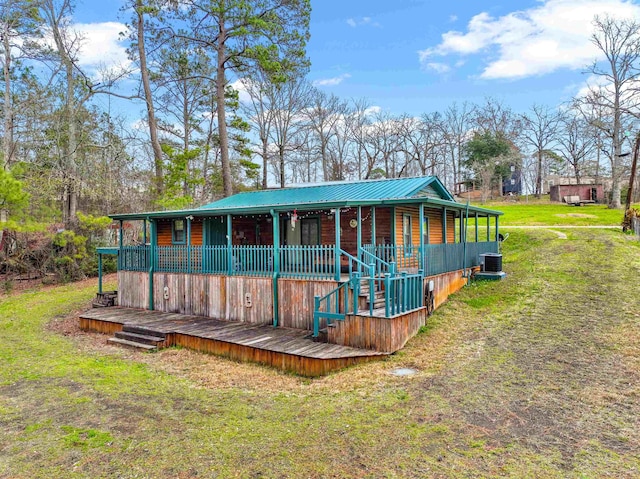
(337, 245)
(230, 265)
(632, 179)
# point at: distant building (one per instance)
(512, 185)
(577, 194)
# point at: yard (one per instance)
(534, 376)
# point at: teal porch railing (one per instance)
(305, 262)
(134, 258)
(402, 293)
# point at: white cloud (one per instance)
(453, 18)
(372, 110)
(332, 81)
(553, 35)
(241, 87)
(438, 67)
(363, 21)
(101, 45)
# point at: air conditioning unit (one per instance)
(491, 262)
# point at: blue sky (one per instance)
(418, 56)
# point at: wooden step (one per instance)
(131, 344)
(128, 328)
(139, 338)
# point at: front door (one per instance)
(214, 260)
(305, 232)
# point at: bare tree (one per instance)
(323, 115)
(619, 42)
(288, 102)
(260, 116)
(539, 132)
(456, 129)
(576, 142)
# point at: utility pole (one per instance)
(626, 223)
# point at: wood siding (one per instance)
(296, 301)
(446, 284)
(223, 297)
(165, 233)
(386, 335)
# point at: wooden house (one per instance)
(308, 278)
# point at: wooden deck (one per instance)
(288, 349)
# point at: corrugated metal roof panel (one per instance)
(370, 190)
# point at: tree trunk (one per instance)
(222, 120)
(281, 157)
(8, 106)
(617, 150)
(265, 155)
(539, 176)
(151, 116)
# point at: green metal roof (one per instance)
(427, 189)
(352, 192)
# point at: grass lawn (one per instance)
(543, 213)
(534, 376)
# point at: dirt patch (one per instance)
(574, 215)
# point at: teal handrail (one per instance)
(335, 304)
(390, 266)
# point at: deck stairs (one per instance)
(137, 337)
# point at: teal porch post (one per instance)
(337, 245)
(99, 272)
(230, 265)
(120, 235)
(476, 226)
(144, 232)
(497, 228)
(488, 228)
(373, 227)
(359, 236)
(189, 244)
(276, 264)
(153, 230)
(444, 225)
(421, 252)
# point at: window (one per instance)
(406, 230)
(178, 230)
(425, 230)
(309, 231)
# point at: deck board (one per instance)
(279, 340)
